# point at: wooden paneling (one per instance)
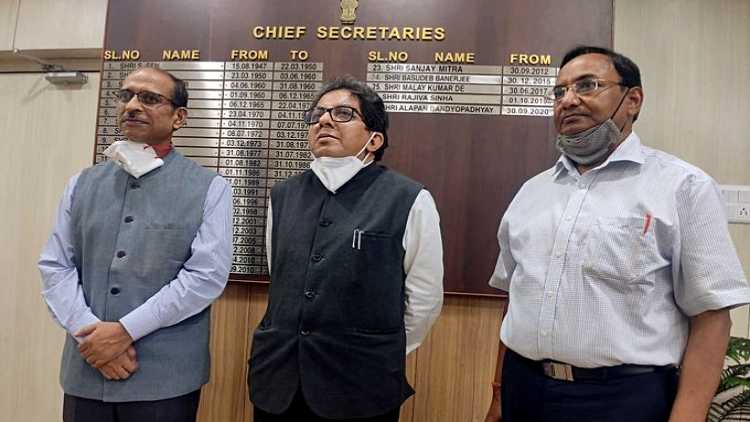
(46, 138)
(694, 62)
(456, 364)
(55, 24)
(225, 397)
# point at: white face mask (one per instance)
(333, 172)
(135, 158)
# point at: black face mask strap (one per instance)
(618, 108)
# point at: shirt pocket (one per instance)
(622, 252)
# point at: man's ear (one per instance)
(376, 142)
(180, 118)
(634, 101)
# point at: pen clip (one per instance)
(357, 239)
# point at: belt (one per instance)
(566, 372)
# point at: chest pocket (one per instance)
(375, 298)
(163, 252)
(617, 250)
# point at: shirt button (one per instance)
(325, 223)
(135, 185)
(309, 294)
(121, 254)
(115, 291)
(128, 219)
(304, 332)
(568, 218)
(317, 258)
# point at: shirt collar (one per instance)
(161, 149)
(629, 150)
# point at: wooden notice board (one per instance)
(463, 81)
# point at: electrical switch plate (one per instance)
(737, 199)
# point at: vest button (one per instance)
(309, 294)
(325, 223)
(115, 291)
(129, 219)
(317, 258)
(121, 254)
(135, 185)
(304, 332)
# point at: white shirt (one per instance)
(606, 267)
(423, 265)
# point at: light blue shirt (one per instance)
(200, 281)
(606, 267)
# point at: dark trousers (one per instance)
(300, 412)
(529, 395)
(178, 409)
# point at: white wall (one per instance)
(47, 136)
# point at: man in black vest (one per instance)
(356, 265)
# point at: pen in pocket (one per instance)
(357, 239)
(647, 224)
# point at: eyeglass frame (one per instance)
(551, 96)
(138, 94)
(328, 110)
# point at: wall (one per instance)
(47, 137)
(693, 57)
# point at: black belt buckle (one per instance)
(559, 371)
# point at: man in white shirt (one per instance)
(618, 264)
(356, 266)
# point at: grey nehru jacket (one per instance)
(131, 237)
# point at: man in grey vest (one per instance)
(356, 266)
(142, 245)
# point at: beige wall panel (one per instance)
(456, 363)
(8, 13)
(55, 24)
(47, 137)
(694, 64)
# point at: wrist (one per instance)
(124, 334)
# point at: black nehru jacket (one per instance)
(335, 320)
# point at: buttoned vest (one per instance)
(334, 326)
(131, 237)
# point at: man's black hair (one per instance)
(372, 107)
(179, 93)
(630, 75)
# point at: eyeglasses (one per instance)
(340, 114)
(582, 88)
(146, 98)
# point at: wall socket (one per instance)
(737, 200)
